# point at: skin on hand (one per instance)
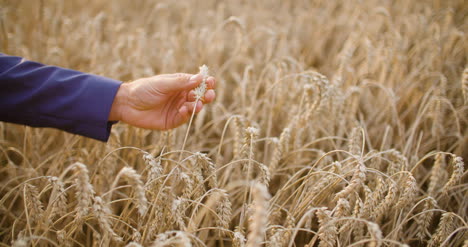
(160, 102)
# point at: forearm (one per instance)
(50, 96)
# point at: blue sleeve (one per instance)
(48, 96)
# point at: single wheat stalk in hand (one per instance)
(199, 94)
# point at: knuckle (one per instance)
(182, 76)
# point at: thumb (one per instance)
(183, 82)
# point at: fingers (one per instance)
(189, 106)
(180, 118)
(174, 75)
(185, 112)
(191, 96)
(211, 82)
(198, 107)
(209, 96)
(180, 81)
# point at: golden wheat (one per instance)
(336, 123)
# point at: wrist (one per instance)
(120, 101)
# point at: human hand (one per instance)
(160, 102)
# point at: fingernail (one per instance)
(193, 78)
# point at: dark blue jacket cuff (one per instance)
(48, 96)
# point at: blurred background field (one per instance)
(336, 123)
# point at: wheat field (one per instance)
(336, 123)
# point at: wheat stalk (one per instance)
(199, 94)
(464, 84)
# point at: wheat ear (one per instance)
(327, 229)
(424, 220)
(84, 190)
(437, 175)
(408, 194)
(446, 226)
(224, 210)
(457, 163)
(102, 212)
(135, 179)
(259, 222)
(238, 238)
(281, 147)
(33, 204)
(58, 198)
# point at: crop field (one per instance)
(336, 123)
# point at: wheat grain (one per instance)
(408, 193)
(224, 210)
(264, 176)
(172, 238)
(247, 150)
(62, 238)
(208, 169)
(464, 84)
(259, 222)
(84, 190)
(102, 212)
(342, 209)
(238, 130)
(446, 226)
(59, 201)
(197, 177)
(20, 243)
(425, 219)
(327, 231)
(355, 141)
(438, 174)
(188, 185)
(33, 204)
(277, 239)
(374, 198)
(398, 162)
(384, 206)
(178, 213)
(238, 238)
(135, 180)
(155, 171)
(376, 234)
(281, 147)
(133, 244)
(356, 182)
(458, 168)
(201, 89)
